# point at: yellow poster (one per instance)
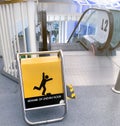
(42, 80)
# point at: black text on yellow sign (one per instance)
(42, 81)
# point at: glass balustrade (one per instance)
(94, 26)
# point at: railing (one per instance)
(17, 20)
(10, 1)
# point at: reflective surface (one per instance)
(116, 29)
(95, 25)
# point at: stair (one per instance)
(67, 46)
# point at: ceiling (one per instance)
(112, 3)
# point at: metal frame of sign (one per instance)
(29, 112)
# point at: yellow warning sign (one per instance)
(41, 76)
(42, 81)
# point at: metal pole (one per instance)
(31, 24)
(22, 11)
(60, 31)
(6, 39)
(13, 30)
(116, 88)
(4, 53)
(13, 41)
(9, 32)
(43, 21)
(16, 30)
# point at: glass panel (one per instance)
(94, 25)
(116, 29)
(53, 28)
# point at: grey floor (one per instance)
(92, 78)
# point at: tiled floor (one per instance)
(83, 68)
(92, 78)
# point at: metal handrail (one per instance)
(110, 16)
(11, 1)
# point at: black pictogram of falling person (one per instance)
(45, 78)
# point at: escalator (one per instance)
(98, 30)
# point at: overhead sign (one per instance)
(42, 81)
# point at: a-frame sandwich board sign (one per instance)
(43, 87)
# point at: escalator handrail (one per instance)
(110, 16)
